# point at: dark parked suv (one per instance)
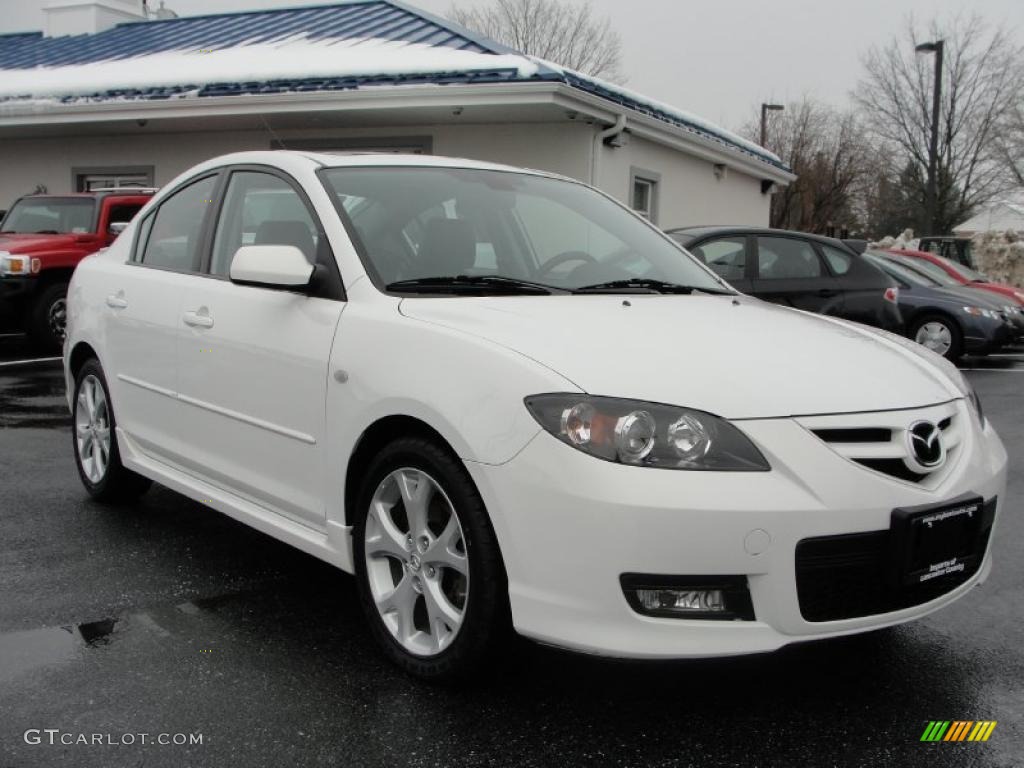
(818, 274)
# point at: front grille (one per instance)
(851, 575)
(879, 441)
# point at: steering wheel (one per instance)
(562, 258)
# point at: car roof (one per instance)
(128, 192)
(286, 157)
(698, 232)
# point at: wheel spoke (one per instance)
(443, 551)
(400, 601)
(416, 489)
(441, 613)
(90, 397)
(383, 538)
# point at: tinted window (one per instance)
(838, 261)
(785, 258)
(50, 215)
(261, 209)
(442, 222)
(727, 257)
(173, 241)
(123, 213)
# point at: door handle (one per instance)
(827, 293)
(117, 301)
(199, 319)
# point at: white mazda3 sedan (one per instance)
(500, 398)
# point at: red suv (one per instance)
(42, 239)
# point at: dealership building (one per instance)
(112, 94)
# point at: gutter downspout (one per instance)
(607, 133)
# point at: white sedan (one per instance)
(500, 398)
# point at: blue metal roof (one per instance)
(355, 19)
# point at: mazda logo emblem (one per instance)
(927, 450)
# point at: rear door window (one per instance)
(786, 258)
(173, 240)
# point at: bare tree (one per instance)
(1009, 143)
(981, 77)
(560, 31)
(824, 147)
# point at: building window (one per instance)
(116, 177)
(644, 194)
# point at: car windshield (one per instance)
(503, 232)
(925, 267)
(50, 215)
(967, 272)
(901, 272)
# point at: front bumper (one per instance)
(14, 291)
(570, 525)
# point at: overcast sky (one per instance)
(717, 59)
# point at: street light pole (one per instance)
(932, 203)
(764, 119)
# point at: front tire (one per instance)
(940, 334)
(95, 440)
(429, 571)
(48, 318)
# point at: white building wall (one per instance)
(28, 163)
(689, 192)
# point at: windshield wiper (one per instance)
(649, 285)
(471, 284)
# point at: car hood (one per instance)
(24, 244)
(968, 295)
(737, 357)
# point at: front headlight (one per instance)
(646, 434)
(14, 265)
(980, 312)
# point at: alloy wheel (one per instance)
(92, 429)
(416, 561)
(935, 336)
(57, 318)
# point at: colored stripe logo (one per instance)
(958, 730)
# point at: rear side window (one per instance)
(785, 258)
(173, 241)
(838, 261)
(261, 209)
(727, 257)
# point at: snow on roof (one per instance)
(297, 57)
(346, 45)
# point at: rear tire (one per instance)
(433, 587)
(940, 334)
(94, 438)
(48, 316)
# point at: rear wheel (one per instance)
(96, 453)
(939, 334)
(431, 581)
(48, 317)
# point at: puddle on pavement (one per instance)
(26, 651)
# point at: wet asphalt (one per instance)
(168, 618)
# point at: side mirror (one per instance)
(116, 228)
(279, 266)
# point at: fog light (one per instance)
(681, 600)
(725, 598)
